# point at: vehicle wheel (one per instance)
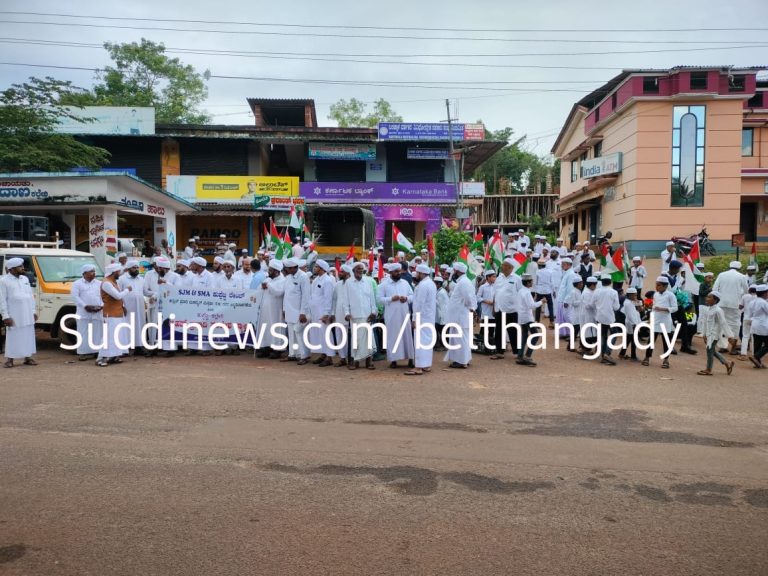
(64, 337)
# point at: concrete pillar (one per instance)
(165, 229)
(102, 233)
(69, 220)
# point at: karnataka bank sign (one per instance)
(378, 192)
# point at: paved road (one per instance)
(240, 466)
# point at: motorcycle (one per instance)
(684, 244)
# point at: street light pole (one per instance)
(453, 162)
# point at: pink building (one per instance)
(657, 153)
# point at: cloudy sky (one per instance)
(496, 60)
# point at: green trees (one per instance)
(353, 114)
(143, 75)
(29, 113)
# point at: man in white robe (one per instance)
(154, 280)
(340, 333)
(271, 312)
(228, 279)
(296, 310)
(460, 308)
(396, 295)
(424, 313)
(359, 307)
(245, 273)
(17, 309)
(563, 313)
(86, 294)
(134, 303)
(321, 310)
(732, 285)
(114, 315)
(201, 279)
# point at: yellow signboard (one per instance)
(245, 188)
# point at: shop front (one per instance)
(97, 211)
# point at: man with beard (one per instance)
(424, 310)
(460, 308)
(202, 279)
(153, 283)
(395, 295)
(245, 273)
(86, 293)
(17, 309)
(135, 306)
(184, 279)
(228, 279)
(337, 311)
(296, 310)
(271, 311)
(114, 314)
(359, 307)
(321, 310)
(505, 308)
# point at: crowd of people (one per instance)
(320, 304)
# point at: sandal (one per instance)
(646, 362)
(29, 362)
(413, 373)
(102, 363)
(704, 373)
(729, 367)
(497, 357)
(8, 364)
(665, 364)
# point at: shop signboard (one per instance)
(334, 151)
(378, 192)
(413, 132)
(430, 215)
(427, 154)
(473, 189)
(601, 166)
(267, 192)
(126, 120)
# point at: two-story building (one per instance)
(659, 153)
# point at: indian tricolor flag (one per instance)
(399, 241)
(520, 263)
(612, 264)
(465, 258)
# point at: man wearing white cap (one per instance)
(271, 311)
(461, 307)
(229, 255)
(513, 240)
(184, 275)
(227, 279)
(562, 314)
(218, 261)
(135, 306)
(732, 285)
(714, 327)
(242, 258)
(358, 305)
(245, 273)
(505, 308)
(321, 310)
(759, 313)
(441, 309)
(396, 295)
(485, 297)
(296, 310)
(337, 315)
(638, 274)
(114, 315)
(221, 245)
(17, 309)
(191, 250)
(606, 305)
(424, 311)
(524, 238)
(667, 255)
(526, 305)
(86, 293)
(154, 280)
(202, 279)
(664, 306)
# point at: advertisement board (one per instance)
(413, 132)
(601, 166)
(334, 151)
(244, 188)
(126, 120)
(431, 216)
(378, 192)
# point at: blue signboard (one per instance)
(412, 132)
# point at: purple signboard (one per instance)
(378, 192)
(432, 217)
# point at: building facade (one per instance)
(659, 153)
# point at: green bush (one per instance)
(717, 264)
(448, 242)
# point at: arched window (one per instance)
(688, 133)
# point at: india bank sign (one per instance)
(601, 166)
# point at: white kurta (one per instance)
(296, 303)
(271, 311)
(234, 282)
(358, 302)
(424, 313)
(152, 285)
(320, 306)
(396, 315)
(202, 281)
(460, 307)
(337, 309)
(732, 285)
(135, 305)
(88, 294)
(17, 302)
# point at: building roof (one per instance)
(274, 103)
(593, 98)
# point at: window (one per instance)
(688, 133)
(584, 220)
(582, 158)
(747, 137)
(756, 101)
(614, 100)
(570, 218)
(650, 85)
(598, 150)
(699, 80)
(574, 171)
(64, 268)
(736, 83)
